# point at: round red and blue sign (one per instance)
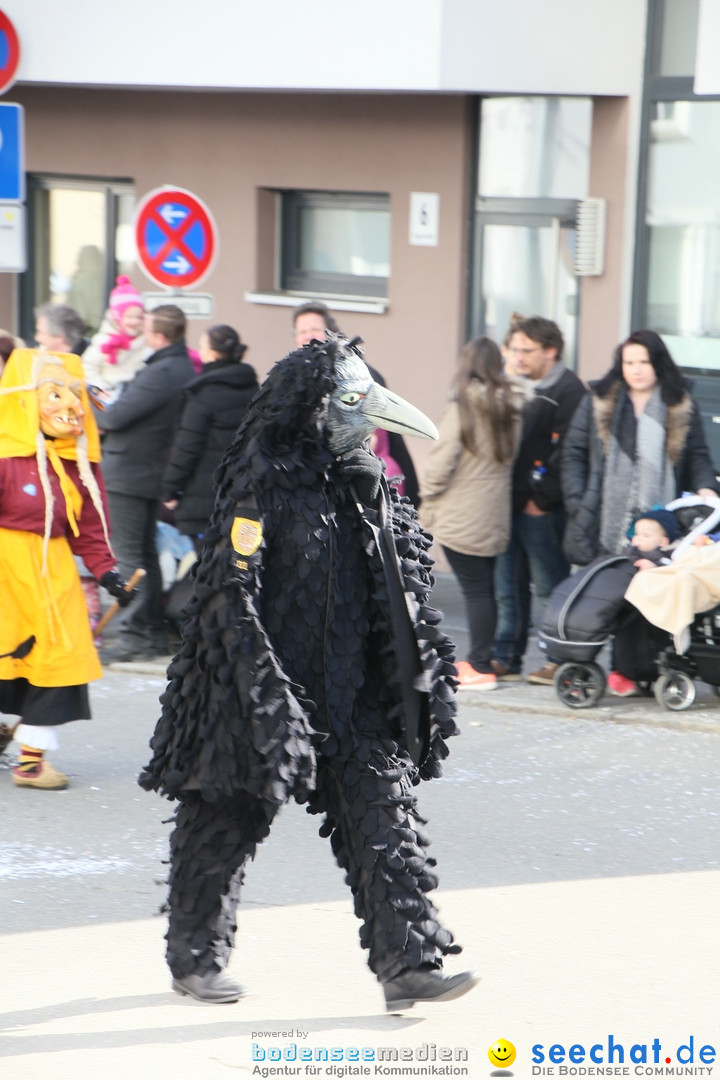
(9, 53)
(175, 237)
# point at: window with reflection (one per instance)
(678, 37)
(683, 220)
(81, 238)
(336, 243)
(534, 147)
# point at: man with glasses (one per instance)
(535, 553)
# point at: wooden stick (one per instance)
(114, 608)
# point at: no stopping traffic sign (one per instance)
(175, 237)
(9, 53)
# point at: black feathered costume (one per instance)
(312, 668)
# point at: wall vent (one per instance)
(590, 238)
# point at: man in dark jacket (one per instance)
(139, 428)
(535, 551)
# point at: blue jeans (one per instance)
(535, 555)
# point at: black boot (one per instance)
(215, 987)
(426, 984)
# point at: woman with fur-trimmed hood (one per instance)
(635, 441)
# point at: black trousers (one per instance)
(476, 577)
(636, 647)
(134, 538)
(376, 836)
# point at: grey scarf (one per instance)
(634, 484)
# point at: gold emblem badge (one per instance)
(246, 535)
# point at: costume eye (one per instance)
(352, 398)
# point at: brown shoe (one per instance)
(545, 676)
(47, 777)
(503, 673)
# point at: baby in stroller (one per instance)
(651, 542)
(614, 600)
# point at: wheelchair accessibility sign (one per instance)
(175, 237)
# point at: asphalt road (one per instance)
(527, 798)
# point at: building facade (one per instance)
(427, 167)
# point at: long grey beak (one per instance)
(390, 411)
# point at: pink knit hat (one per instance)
(124, 295)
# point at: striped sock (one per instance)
(30, 760)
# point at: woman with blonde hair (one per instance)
(466, 491)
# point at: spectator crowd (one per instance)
(533, 473)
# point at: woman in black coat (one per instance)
(215, 403)
(635, 441)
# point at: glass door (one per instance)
(524, 263)
(80, 238)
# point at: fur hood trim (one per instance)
(677, 424)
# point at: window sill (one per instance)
(376, 306)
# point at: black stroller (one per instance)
(587, 609)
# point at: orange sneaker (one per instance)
(622, 687)
(470, 679)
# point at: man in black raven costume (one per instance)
(311, 668)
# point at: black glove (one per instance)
(115, 585)
(364, 471)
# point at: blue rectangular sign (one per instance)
(12, 153)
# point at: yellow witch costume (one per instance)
(41, 507)
(51, 507)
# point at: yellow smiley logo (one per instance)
(502, 1053)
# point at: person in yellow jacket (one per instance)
(52, 507)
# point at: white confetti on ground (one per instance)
(17, 862)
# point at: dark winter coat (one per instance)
(545, 421)
(310, 628)
(140, 424)
(215, 403)
(583, 465)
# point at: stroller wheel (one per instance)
(579, 686)
(675, 690)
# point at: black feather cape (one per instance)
(288, 649)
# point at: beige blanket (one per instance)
(670, 596)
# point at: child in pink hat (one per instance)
(118, 350)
